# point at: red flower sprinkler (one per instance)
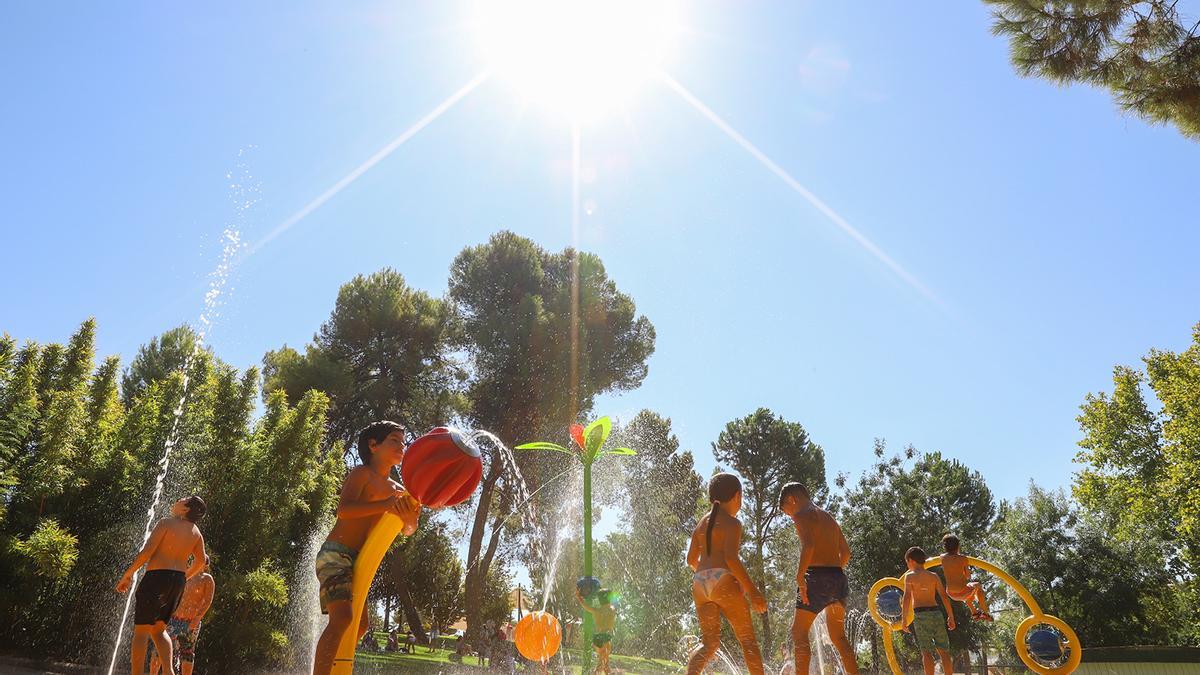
(590, 441)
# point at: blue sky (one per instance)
(1059, 236)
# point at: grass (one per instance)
(424, 662)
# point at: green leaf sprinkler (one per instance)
(590, 440)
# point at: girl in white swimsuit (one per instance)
(720, 584)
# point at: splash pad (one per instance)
(1044, 643)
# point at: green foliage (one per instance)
(1141, 462)
(425, 568)
(1141, 50)
(157, 360)
(51, 550)
(1112, 591)
(384, 353)
(517, 315)
(1140, 466)
(245, 625)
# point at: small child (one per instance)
(958, 579)
(367, 494)
(922, 589)
(606, 621)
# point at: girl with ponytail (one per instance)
(720, 584)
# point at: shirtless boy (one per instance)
(720, 584)
(959, 586)
(922, 589)
(367, 494)
(184, 627)
(165, 555)
(821, 584)
(606, 621)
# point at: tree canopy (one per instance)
(1146, 52)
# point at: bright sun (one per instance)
(578, 57)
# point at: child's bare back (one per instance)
(956, 568)
(923, 585)
(179, 540)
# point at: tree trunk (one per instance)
(410, 611)
(476, 572)
(768, 655)
(387, 614)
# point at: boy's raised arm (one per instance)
(583, 604)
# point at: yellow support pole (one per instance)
(379, 540)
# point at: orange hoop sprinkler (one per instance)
(538, 636)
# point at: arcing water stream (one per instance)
(244, 195)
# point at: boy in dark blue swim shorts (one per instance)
(821, 584)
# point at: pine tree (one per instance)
(1141, 50)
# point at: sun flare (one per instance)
(576, 57)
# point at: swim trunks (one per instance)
(929, 627)
(601, 639)
(826, 585)
(157, 596)
(335, 573)
(185, 639)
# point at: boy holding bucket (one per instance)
(367, 493)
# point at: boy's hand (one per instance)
(124, 584)
(950, 624)
(802, 589)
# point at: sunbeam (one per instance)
(371, 161)
(800, 189)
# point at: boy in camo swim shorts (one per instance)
(368, 493)
(922, 590)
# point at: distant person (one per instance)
(720, 584)
(433, 638)
(392, 643)
(821, 584)
(959, 586)
(184, 627)
(165, 555)
(922, 589)
(606, 622)
(367, 493)
(411, 640)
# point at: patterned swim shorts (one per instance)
(335, 572)
(185, 639)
